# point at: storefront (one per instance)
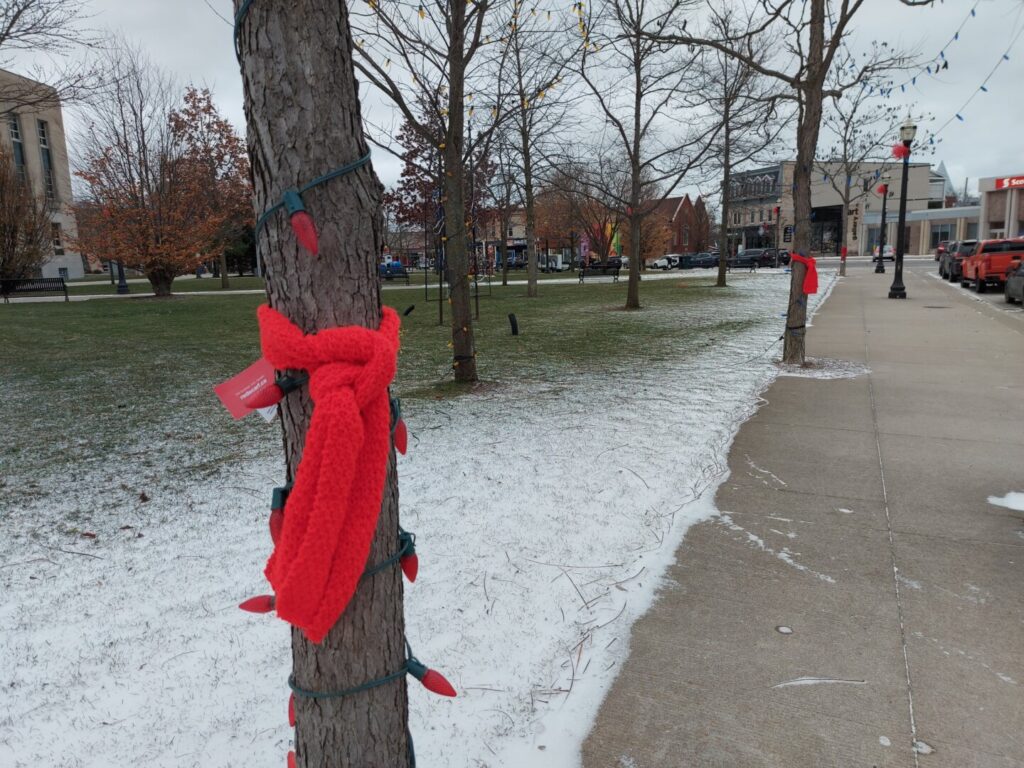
(1002, 206)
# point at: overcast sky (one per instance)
(188, 39)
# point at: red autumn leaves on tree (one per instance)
(168, 186)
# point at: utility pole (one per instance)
(303, 115)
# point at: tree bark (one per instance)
(463, 343)
(161, 281)
(811, 98)
(531, 215)
(633, 292)
(505, 221)
(723, 248)
(224, 283)
(302, 109)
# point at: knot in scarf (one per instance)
(331, 513)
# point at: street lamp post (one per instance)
(122, 283)
(884, 190)
(907, 133)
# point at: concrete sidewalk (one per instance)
(859, 603)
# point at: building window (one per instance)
(760, 214)
(941, 232)
(62, 272)
(510, 231)
(751, 216)
(47, 159)
(19, 147)
(58, 240)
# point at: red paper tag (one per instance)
(254, 378)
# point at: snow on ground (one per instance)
(545, 513)
(1013, 500)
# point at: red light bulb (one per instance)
(401, 437)
(435, 682)
(305, 231)
(264, 397)
(291, 710)
(276, 522)
(410, 566)
(258, 604)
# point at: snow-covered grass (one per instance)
(546, 508)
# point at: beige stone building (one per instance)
(34, 136)
(761, 204)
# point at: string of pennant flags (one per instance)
(937, 64)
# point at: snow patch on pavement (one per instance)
(1013, 500)
(824, 368)
(818, 681)
(784, 554)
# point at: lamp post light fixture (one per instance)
(907, 133)
(884, 191)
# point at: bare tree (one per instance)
(443, 56)
(809, 36)
(858, 128)
(302, 106)
(505, 194)
(642, 88)
(50, 29)
(748, 111)
(25, 224)
(538, 60)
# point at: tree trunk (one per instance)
(810, 99)
(302, 109)
(842, 233)
(505, 221)
(161, 280)
(463, 344)
(224, 284)
(633, 293)
(531, 218)
(723, 249)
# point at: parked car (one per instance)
(750, 258)
(890, 253)
(990, 262)
(391, 270)
(687, 261)
(951, 262)
(1013, 290)
(668, 261)
(705, 260)
(941, 249)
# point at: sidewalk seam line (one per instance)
(892, 545)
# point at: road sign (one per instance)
(787, 233)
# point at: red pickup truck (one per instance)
(990, 263)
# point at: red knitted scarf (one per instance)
(331, 513)
(811, 275)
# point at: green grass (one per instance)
(99, 285)
(91, 383)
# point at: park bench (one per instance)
(600, 270)
(10, 287)
(391, 272)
